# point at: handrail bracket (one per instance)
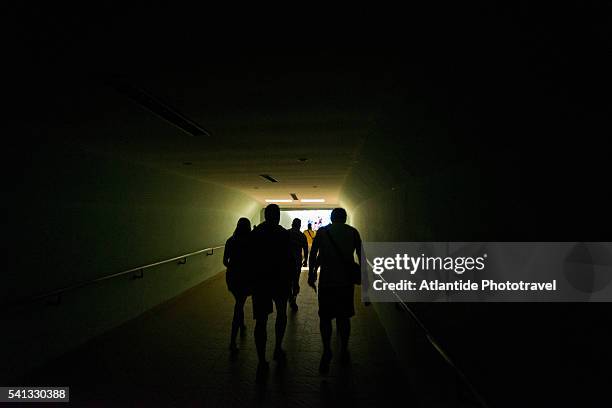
(138, 274)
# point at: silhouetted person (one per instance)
(274, 275)
(236, 259)
(310, 235)
(299, 246)
(332, 249)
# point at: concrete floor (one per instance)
(177, 355)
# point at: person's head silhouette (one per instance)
(338, 215)
(296, 224)
(272, 214)
(309, 226)
(243, 227)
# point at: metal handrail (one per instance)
(436, 345)
(60, 291)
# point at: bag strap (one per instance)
(336, 248)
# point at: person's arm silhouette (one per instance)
(312, 270)
(358, 246)
(364, 264)
(226, 253)
(304, 249)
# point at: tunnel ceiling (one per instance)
(261, 122)
(442, 90)
(289, 117)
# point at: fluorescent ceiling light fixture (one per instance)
(312, 200)
(269, 178)
(148, 101)
(280, 200)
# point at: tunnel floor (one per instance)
(177, 355)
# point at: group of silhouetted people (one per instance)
(266, 263)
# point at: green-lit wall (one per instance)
(83, 216)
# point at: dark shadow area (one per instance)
(177, 355)
(437, 123)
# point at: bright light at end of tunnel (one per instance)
(313, 200)
(280, 200)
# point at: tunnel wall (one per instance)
(416, 209)
(427, 176)
(82, 216)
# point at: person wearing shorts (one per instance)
(333, 248)
(272, 282)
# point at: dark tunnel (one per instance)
(135, 140)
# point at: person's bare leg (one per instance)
(280, 327)
(344, 331)
(242, 326)
(326, 332)
(237, 321)
(325, 325)
(261, 335)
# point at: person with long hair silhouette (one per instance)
(236, 259)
